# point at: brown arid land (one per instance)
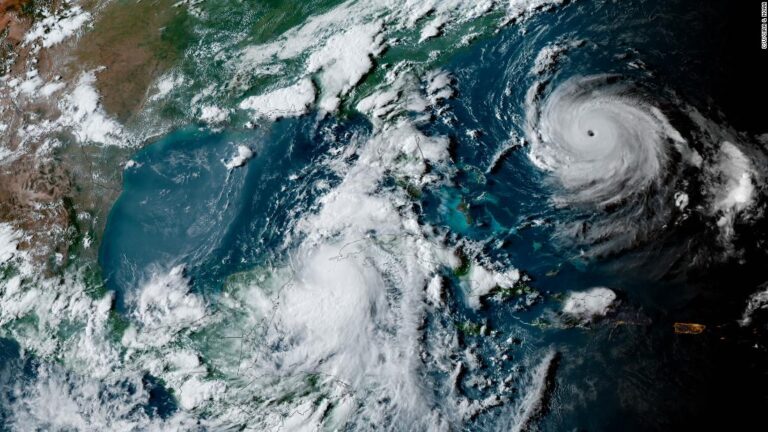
(12, 21)
(58, 197)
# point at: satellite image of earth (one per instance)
(399, 215)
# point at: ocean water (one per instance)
(181, 205)
(335, 280)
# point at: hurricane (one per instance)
(602, 142)
(612, 152)
(527, 215)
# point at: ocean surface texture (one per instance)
(401, 215)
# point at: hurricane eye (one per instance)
(612, 134)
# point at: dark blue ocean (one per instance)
(181, 206)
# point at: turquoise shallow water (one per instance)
(180, 205)
(283, 309)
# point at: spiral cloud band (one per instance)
(614, 156)
(601, 142)
(611, 153)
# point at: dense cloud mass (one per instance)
(373, 215)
